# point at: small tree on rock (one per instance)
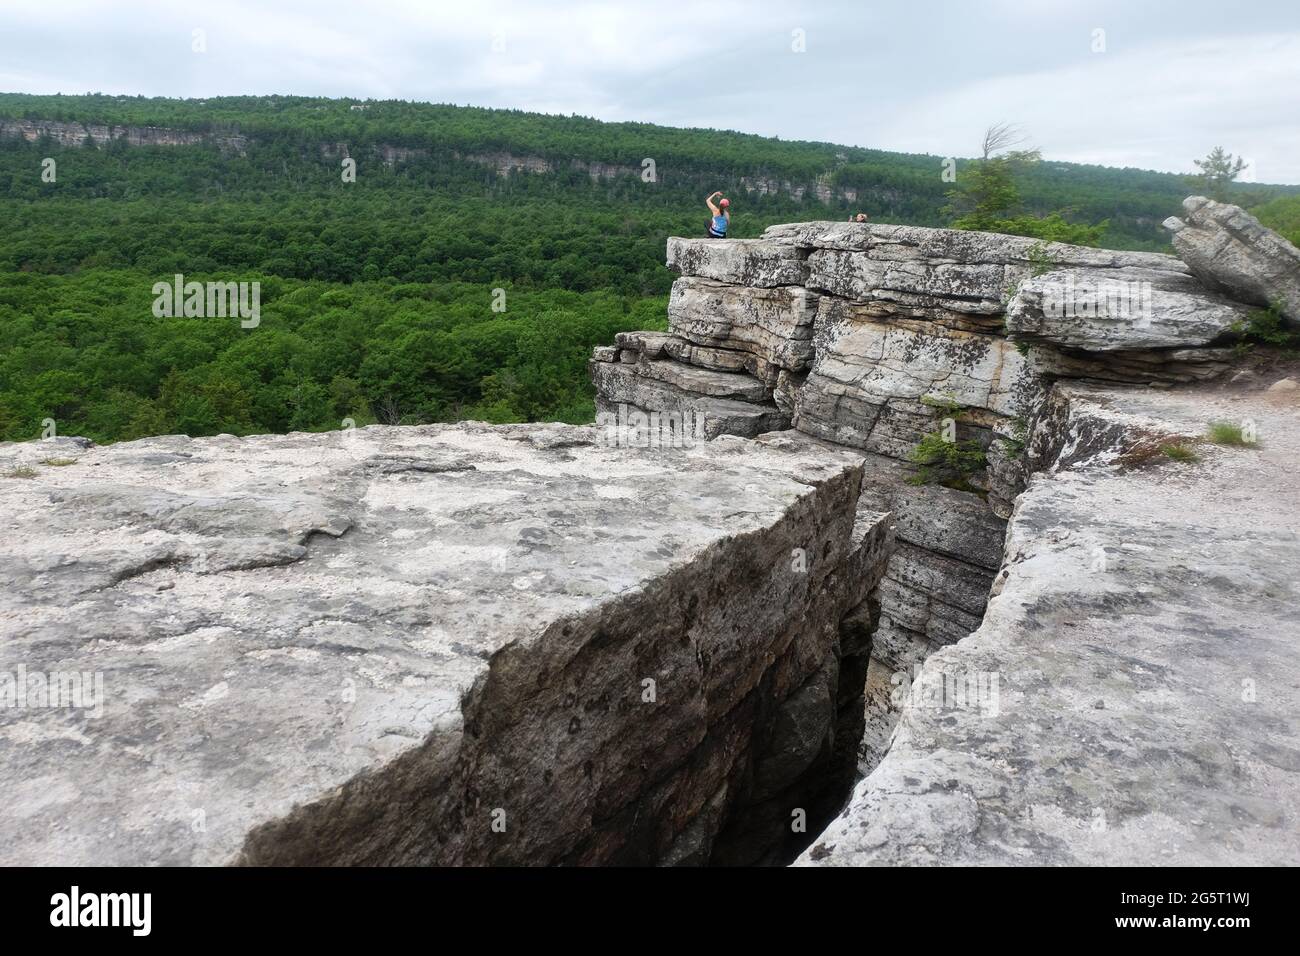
(1217, 170)
(988, 199)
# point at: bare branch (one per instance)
(1001, 136)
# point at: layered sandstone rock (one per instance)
(773, 326)
(1227, 248)
(743, 262)
(445, 644)
(622, 389)
(880, 337)
(861, 331)
(77, 134)
(1118, 310)
(1129, 698)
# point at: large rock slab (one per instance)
(1110, 310)
(657, 345)
(703, 381)
(1227, 248)
(774, 325)
(1132, 696)
(978, 287)
(898, 243)
(623, 384)
(420, 645)
(747, 262)
(870, 375)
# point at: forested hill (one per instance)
(278, 133)
(378, 293)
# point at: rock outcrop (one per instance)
(77, 134)
(882, 500)
(1227, 248)
(428, 645)
(1130, 697)
(874, 337)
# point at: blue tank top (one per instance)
(720, 224)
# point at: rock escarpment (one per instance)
(502, 162)
(670, 638)
(1130, 697)
(428, 645)
(873, 337)
(1106, 706)
(78, 134)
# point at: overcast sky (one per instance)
(1170, 81)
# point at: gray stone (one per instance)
(622, 384)
(701, 381)
(1227, 248)
(745, 262)
(1096, 310)
(423, 650)
(775, 325)
(898, 243)
(979, 288)
(869, 379)
(1130, 586)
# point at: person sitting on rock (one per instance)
(721, 217)
(860, 217)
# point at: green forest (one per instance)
(430, 288)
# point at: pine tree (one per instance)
(1217, 170)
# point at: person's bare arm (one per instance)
(712, 208)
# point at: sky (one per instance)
(1145, 83)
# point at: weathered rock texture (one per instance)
(448, 644)
(875, 336)
(77, 134)
(657, 640)
(1130, 697)
(1227, 248)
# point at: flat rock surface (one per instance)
(1133, 694)
(747, 262)
(266, 619)
(886, 241)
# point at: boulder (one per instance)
(1110, 310)
(1229, 249)
(426, 645)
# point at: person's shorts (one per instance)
(715, 235)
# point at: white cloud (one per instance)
(1180, 76)
(1156, 107)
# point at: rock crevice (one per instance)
(679, 636)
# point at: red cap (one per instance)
(725, 202)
